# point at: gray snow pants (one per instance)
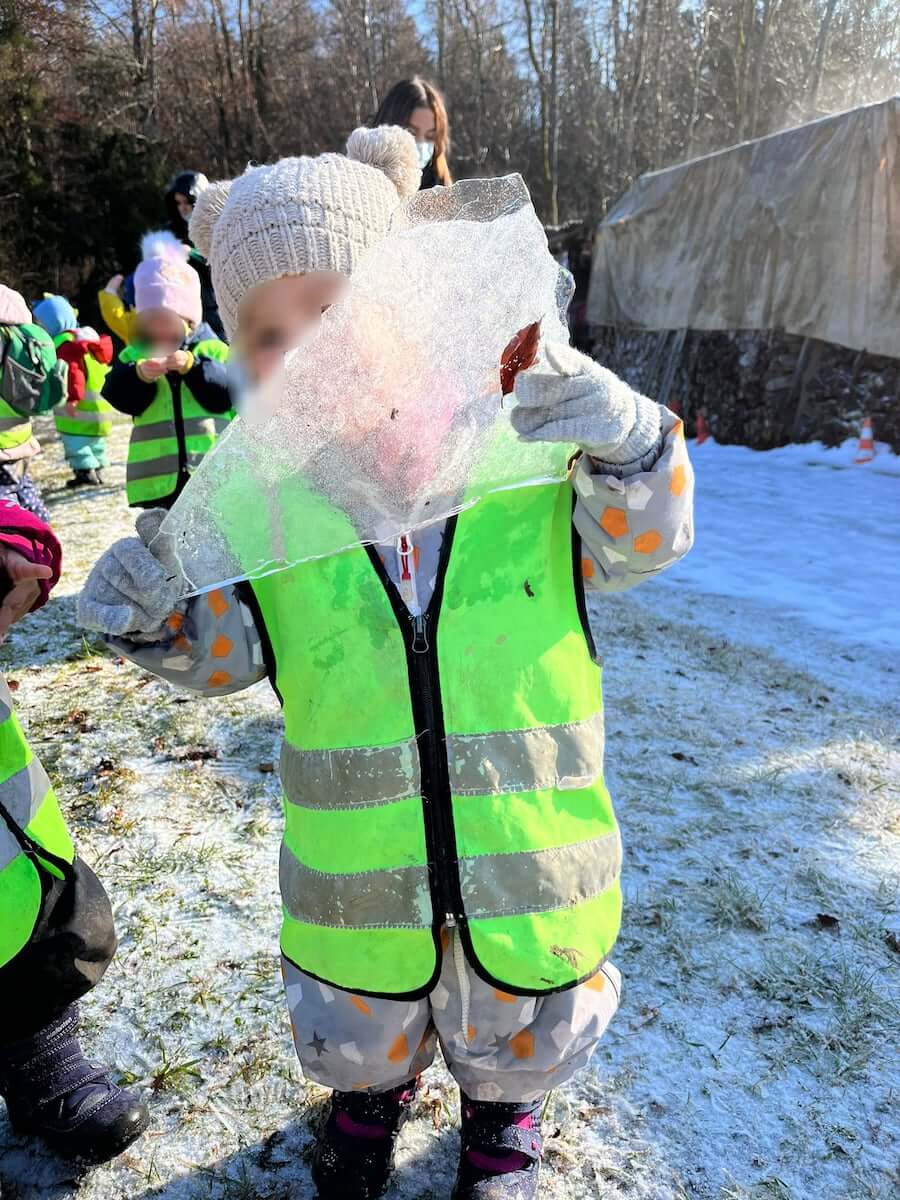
(497, 1046)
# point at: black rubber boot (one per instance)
(54, 1093)
(86, 478)
(500, 1152)
(354, 1154)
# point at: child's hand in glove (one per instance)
(579, 402)
(132, 588)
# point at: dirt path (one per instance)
(755, 1053)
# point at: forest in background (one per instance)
(102, 100)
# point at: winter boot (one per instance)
(501, 1149)
(354, 1154)
(86, 478)
(54, 1093)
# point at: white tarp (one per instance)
(798, 231)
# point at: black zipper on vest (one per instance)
(177, 413)
(420, 641)
(578, 580)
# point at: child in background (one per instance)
(450, 868)
(56, 926)
(32, 381)
(85, 420)
(171, 379)
(116, 304)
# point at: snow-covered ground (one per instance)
(752, 699)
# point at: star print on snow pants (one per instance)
(497, 1046)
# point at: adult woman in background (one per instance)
(416, 105)
(180, 198)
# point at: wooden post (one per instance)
(649, 383)
(671, 366)
(804, 372)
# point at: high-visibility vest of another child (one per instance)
(33, 835)
(448, 766)
(170, 438)
(90, 416)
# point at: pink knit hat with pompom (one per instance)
(165, 280)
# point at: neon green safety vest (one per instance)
(92, 417)
(30, 821)
(15, 429)
(170, 438)
(447, 765)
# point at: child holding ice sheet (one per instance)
(450, 868)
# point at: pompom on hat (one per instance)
(302, 214)
(164, 279)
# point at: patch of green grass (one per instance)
(735, 904)
(840, 1018)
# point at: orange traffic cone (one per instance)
(703, 433)
(866, 449)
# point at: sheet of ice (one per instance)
(390, 415)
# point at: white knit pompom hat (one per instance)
(302, 214)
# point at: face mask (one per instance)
(238, 383)
(425, 151)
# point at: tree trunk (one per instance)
(554, 113)
(819, 62)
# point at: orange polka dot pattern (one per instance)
(633, 527)
(499, 1046)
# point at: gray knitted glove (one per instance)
(133, 589)
(580, 402)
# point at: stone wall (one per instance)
(760, 389)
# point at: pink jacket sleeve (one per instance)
(20, 530)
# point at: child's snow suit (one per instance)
(56, 930)
(443, 767)
(85, 420)
(177, 419)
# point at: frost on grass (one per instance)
(754, 1054)
(389, 416)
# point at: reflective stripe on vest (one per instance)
(156, 446)
(525, 833)
(29, 805)
(15, 430)
(92, 417)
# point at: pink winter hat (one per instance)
(164, 280)
(13, 309)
